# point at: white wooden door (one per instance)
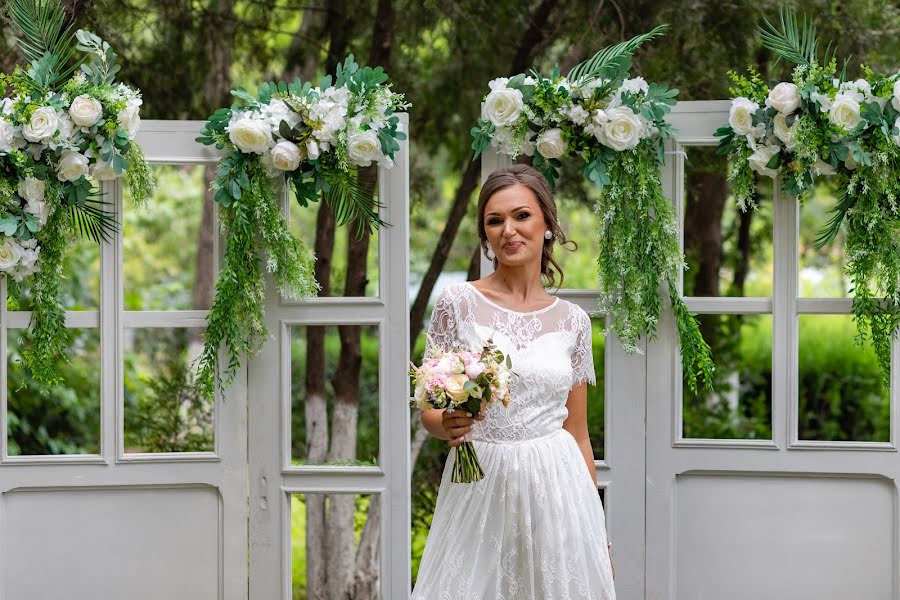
(781, 517)
(116, 521)
(367, 497)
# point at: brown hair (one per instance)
(531, 178)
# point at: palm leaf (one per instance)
(92, 220)
(351, 203)
(611, 61)
(840, 210)
(46, 36)
(794, 41)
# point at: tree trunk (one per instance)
(743, 245)
(206, 259)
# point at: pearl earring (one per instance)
(488, 253)
(548, 235)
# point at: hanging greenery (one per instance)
(823, 124)
(64, 125)
(313, 139)
(616, 125)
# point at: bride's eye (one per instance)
(522, 215)
(493, 221)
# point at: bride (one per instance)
(534, 527)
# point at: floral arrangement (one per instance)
(64, 125)
(616, 125)
(463, 380)
(821, 123)
(313, 139)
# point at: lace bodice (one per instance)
(550, 351)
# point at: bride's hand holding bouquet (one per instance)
(463, 383)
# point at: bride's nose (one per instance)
(509, 227)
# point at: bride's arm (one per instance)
(576, 424)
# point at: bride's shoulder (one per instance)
(578, 316)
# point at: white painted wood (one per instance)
(118, 525)
(272, 477)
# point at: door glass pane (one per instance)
(821, 269)
(579, 223)
(163, 410)
(728, 251)
(334, 413)
(741, 405)
(168, 245)
(67, 419)
(840, 387)
(335, 525)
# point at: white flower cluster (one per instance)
(844, 109)
(337, 120)
(66, 135)
(615, 125)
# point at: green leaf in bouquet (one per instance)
(481, 136)
(774, 162)
(9, 225)
(240, 94)
(45, 37)
(91, 219)
(859, 155)
(305, 191)
(473, 405)
(871, 112)
(612, 62)
(794, 41)
(844, 204)
(469, 386)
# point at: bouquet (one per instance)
(463, 380)
(313, 139)
(65, 124)
(823, 123)
(615, 126)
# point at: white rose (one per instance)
(72, 166)
(503, 106)
(286, 156)
(363, 147)
(103, 171)
(9, 254)
(845, 112)
(85, 111)
(636, 86)
(784, 97)
(741, 115)
(40, 209)
(784, 133)
(65, 128)
(759, 159)
(129, 119)
(895, 100)
(823, 168)
(312, 149)
(623, 130)
(42, 126)
(250, 135)
(31, 189)
(455, 388)
(896, 137)
(551, 144)
(7, 135)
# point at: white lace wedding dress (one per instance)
(534, 527)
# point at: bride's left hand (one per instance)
(611, 564)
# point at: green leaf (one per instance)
(612, 62)
(774, 162)
(793, 41)
(8, 226)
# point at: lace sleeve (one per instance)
(582, 355)
(442, 330)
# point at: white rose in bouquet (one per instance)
(312, 149)
(85, 111)
(823, 168)
(759, 159)
(251, 136)
(623, 130)
(456, 388)
(502, 106)
(895, 99)
(103, 171)
(286, 156)
(10, 252)
(129, 118)
(363, 147)
(31, 189)
(550, 144)
(72, 166)
(42, 126)
(7, 136)
(40, 209)
(787, 135)
(741, 115)
(784, 97)
(845, 111)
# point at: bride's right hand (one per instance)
(457, 424)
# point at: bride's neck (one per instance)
(520, 283)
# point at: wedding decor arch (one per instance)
(65, 124)
(313, 139)
(822, 124)
(616, 126)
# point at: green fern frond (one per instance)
(611, 62)
(92, 220)
(351, 203)
(794, 41)
(840, 210)
(46, 38)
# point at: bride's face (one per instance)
(515, 226)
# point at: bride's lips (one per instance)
(510, 246)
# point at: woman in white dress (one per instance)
(534, 527)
